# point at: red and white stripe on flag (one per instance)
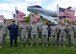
(71, 19)
(19, 19)
(20, 14)
(61, 14)
(70, 13)
(1, 17)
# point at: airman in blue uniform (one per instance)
(13, 30)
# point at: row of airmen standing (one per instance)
(38, 29)
(41, 29)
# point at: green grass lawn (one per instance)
(37, 50)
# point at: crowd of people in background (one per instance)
(51, 34)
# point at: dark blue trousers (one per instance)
(49, 34)
(13, 38)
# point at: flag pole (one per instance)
(58, 12)
(12, 16)
(30, 18)
(15, 7)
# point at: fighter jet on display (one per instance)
(43, 12)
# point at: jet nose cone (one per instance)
(28, 8)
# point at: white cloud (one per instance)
(62, 3)
(7, 14)
(35, 2)
(6, 9)
(12, 1)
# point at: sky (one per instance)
(8, 6)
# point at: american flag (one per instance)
(19, 14)
(35, 17)
(65, 12)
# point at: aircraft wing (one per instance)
(49, 18)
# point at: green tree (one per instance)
(27, 19)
